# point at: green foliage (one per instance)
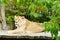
(45, 11)
(57, 38)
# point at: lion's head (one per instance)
(19, 21)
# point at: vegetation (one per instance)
(45, 11)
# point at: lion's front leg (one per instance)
(16, 31)
(13, 32)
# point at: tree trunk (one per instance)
(0, 19)
(3, 17)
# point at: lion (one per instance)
(26, 26)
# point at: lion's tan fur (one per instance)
(26, 26)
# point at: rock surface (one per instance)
(43, 35)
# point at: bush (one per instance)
(37, 11)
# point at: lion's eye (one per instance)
(22, 18)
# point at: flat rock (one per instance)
(44, 35)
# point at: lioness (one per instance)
(25, 26)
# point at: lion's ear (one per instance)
(15, 16)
